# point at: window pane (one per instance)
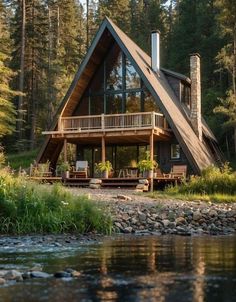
(114, 69)
(83, 107)
(175, 151)
(97, 83)
(133, 102)
(114, 103)
(149, 102)
(132, 77)
(96, 105)
(125, 156)
(185, 95)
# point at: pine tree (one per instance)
(7, 111)
(117, 10)
(227, 59)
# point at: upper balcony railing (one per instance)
(111, 122)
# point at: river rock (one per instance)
(39, 274)
(2, 281)
(75, 274)
(197, 215)
(165, 222)
(180, 221)
(142, 217)
(13, 275)
(128, 230)
(62, 274)
(123, 197)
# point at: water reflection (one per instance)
(138, 269)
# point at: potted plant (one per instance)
(146, 166)
(104, 168)
(64, 169)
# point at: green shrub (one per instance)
(26, 207)
(212, 181)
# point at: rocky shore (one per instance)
(8, 276)
(139, 214)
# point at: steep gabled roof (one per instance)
(196, 151)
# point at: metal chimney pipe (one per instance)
(155, 50)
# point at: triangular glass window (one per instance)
(132, 78)
(114, 69)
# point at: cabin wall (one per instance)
(175, 85)
(164, 159)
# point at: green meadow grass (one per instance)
(27, 208)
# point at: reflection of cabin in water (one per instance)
(121, 104)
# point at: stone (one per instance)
(142, 187)
(165, 222)
(39, 274)
(95, 181)
(180, 221)
(62, 274)
(145, 188)
(128, 230)
(26, 275)
(123, 197)
(134, 221)
(13, 275)
(142, 216)
(118, 225)
(75, 274)
(197, 215)
(94, 186)
(2, 281)
(37, 268)
(143, 181)
(172, 225)
(3, 273)
(157, 225)
(213, 213)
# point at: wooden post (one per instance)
(151, 158)
(65, 150)
(103, 150)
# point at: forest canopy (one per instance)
(42, 43)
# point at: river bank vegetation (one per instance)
(215, 185)
(27, 208)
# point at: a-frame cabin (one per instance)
(121, 103)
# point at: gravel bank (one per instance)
(139, 214)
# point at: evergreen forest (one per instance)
(42, 43)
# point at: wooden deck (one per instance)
(111, 125)
(158, 182)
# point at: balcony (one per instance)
(116, 127)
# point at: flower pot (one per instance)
(66, 175)
(148, 174)
(105, 174)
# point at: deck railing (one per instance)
(104, 122)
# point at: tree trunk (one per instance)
(33, 105)
(87, 24)
(234, 80)
(21, 77)
(235, 140)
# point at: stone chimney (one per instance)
(195, 75)
(155, 50)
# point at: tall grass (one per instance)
(212, 181)
(27, 207)
(23, 159)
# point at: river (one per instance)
(129, 268)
